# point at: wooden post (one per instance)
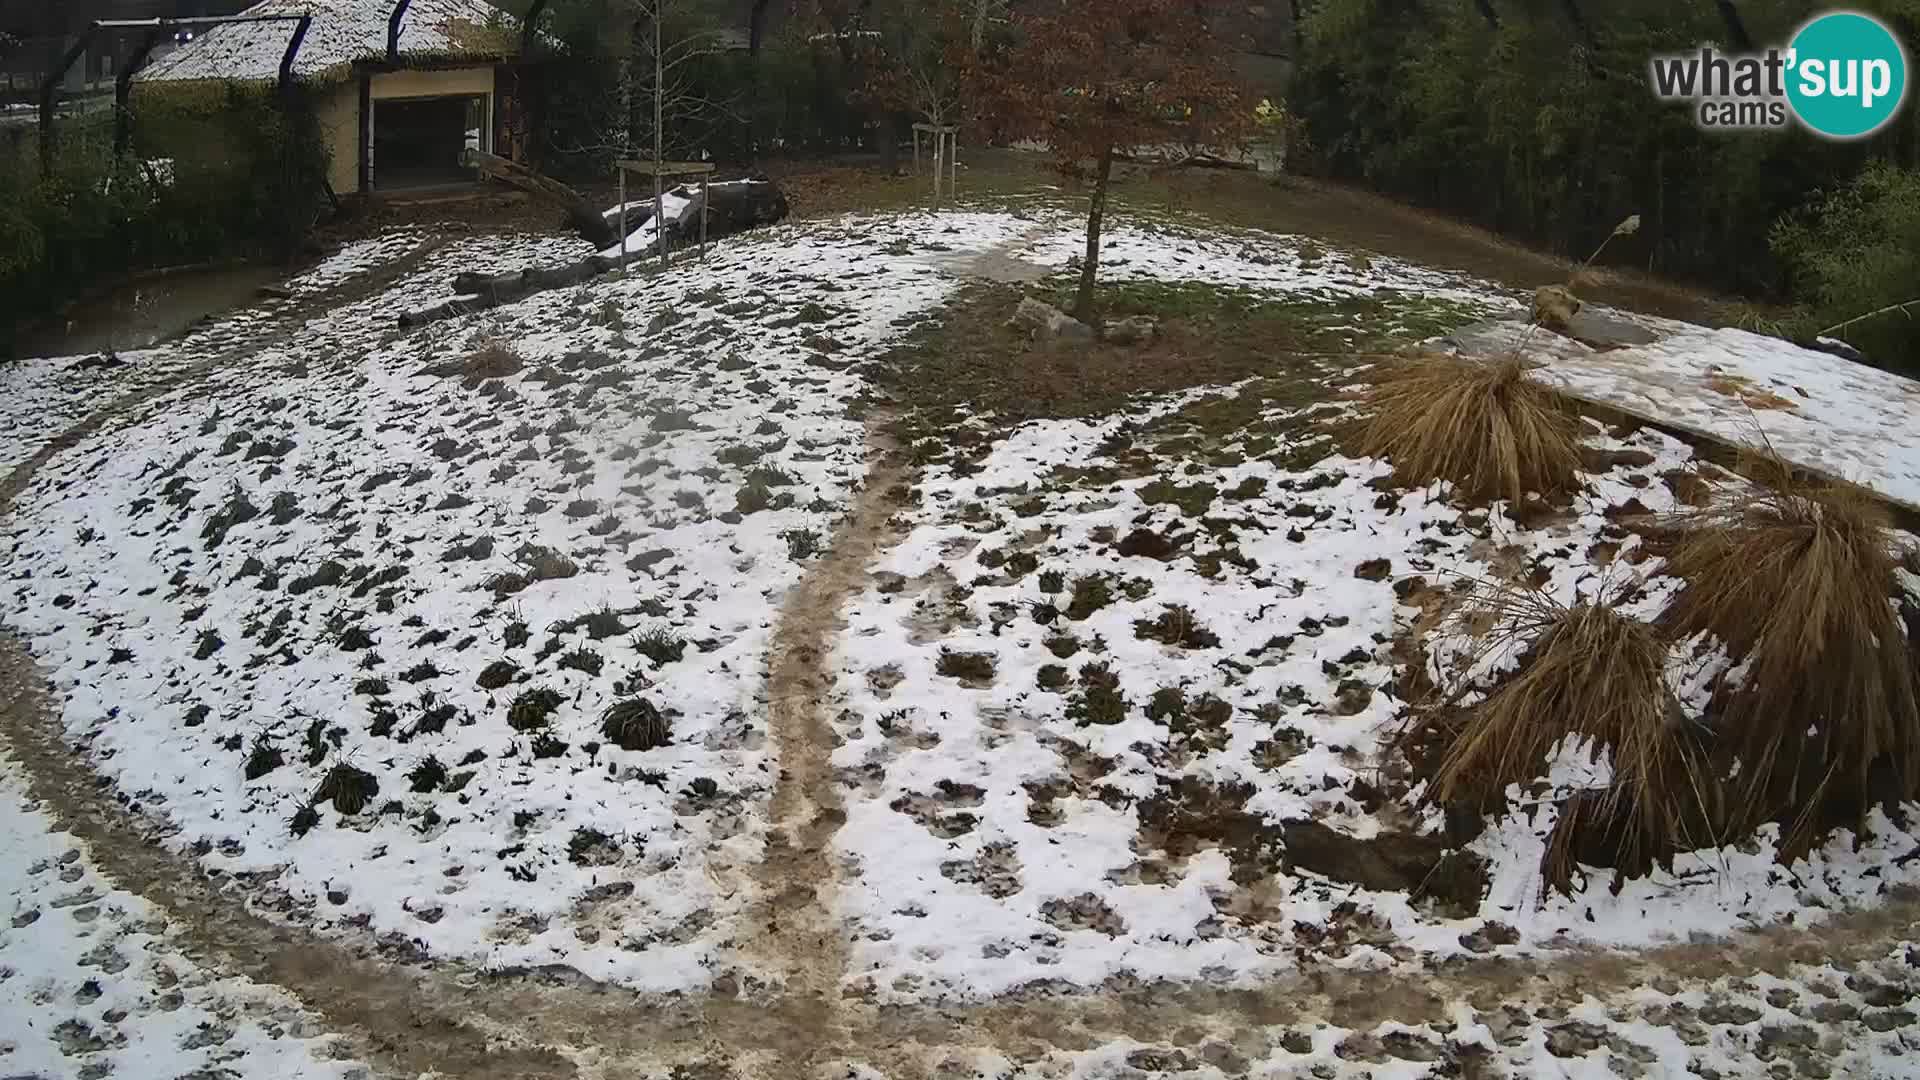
(703, 217)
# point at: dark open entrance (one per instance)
(417, 141)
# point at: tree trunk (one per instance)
(1737, 35)
(756, 37)
(730, 207)
(1096, 211)
(590, 223)
(757, 27)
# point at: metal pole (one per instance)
(123, 92)
(659, 133)
(623, 216)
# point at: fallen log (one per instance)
(587, 221)
(731, 207)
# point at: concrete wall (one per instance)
(399, 84)
(339, 115)
(339, 110)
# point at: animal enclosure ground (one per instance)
(787, 646)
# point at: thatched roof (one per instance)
(343, 32)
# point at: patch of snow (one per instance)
(345, 622)
(1847, 419)
(94, 983)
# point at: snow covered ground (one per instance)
(92, 984)
(1169, 656)
(353, 609)
(1119, 705)
(1850, 420)
(366, 614)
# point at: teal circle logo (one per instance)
(1847, 75)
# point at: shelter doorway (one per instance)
(417, 142)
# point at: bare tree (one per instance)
(656, 97)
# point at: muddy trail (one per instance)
(780, 1009)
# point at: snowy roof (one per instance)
(343, 31)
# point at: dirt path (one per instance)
(788, 1018)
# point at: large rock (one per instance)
(1043, 320)
(1603, 331)
(1132, 330)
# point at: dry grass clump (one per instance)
(1482, 425)
(1822, 710)
(494, 359)
(1590, 680)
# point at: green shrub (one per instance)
(211, 174)
(1854, 251)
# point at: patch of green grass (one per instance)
(1192, 499)
(1091, 592)
(970, 667)
(802, 544)
(533, 708)
(583, 659)
(1177, 626)
(660, 645)
(1099, 700)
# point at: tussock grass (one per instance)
(1483, 426)
(532, 709)
(493, 359)
(1590, 680)
(349, 789)
(1822, 710)
(660, 645)
(635, 724)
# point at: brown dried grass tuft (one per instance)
(1822, 710)
(1590, 679)
(1482, 425)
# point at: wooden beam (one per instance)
(293, 49)
(393, 29)
(192, 21)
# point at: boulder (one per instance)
(1599, 330)
(1132, 330)
(1042, 319)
